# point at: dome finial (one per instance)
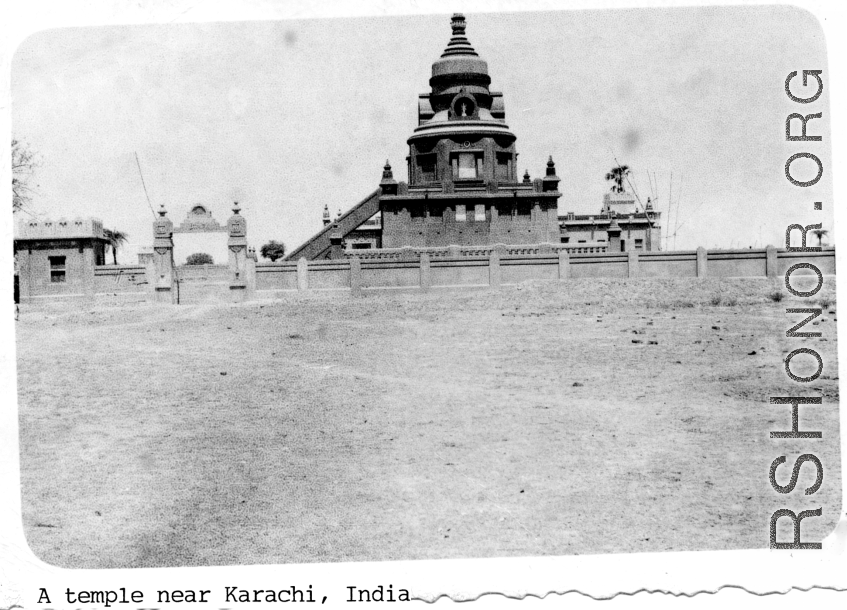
(458, 45)
(457, 22)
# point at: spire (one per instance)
(526, 178)
(551, 180)
(388, 184)
(459, 64)
(459, 44)
(386, 172)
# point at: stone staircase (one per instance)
(318, 246)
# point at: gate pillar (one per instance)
(237, 244)
(163, 258)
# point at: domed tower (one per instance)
(463, 184)
(462, 133)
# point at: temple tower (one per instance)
(462, 135)
(463, 184)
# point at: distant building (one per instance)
(618, 227)
(58, 257)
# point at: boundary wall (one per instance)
(459, 267)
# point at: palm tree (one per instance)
(116, 239)
(820, 234)
(617, 175)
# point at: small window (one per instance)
(566, 240)
(639, 244)
(436, 211)
(57, 269)
(362, 246)
(504, 209)
(479, 212)
(460, 213)
(417, 211)
(467, 165)
(427, 165)
(524, 208)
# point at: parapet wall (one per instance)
(468, 267)
(62, 228)
(419, 268)
(504, 250)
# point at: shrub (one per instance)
(776, 296)
(199, 258)
(715, 300)
(273, 250)
(730, 301)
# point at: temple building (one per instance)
(463, 186)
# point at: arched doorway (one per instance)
(222, 278)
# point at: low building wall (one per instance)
(112, 279)
(495, 265)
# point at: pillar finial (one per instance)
(388, 184)
(162, 210)
(235, 207)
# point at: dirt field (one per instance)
(541, 419)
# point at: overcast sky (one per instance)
(285, 116)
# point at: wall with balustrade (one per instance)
(497, 265)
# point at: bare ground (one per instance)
(541, 419)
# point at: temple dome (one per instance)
(459, 57)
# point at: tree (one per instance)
(199, 258)
(618, 175)
(116, 240)
(24, 164)
(273, 250)
(820, 234)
